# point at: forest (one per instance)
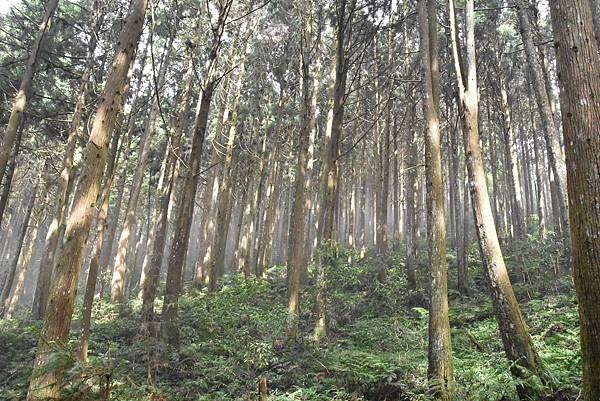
(279, 200)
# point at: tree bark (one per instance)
(118, 279)
(330, 166)
(411, 211)
(10, 172)
(578, 66)
(45, 383)
(90, 287)
(65, 182)
(21, 98)
(510, 155)
(224, 204)
(555, 152)
(517, 342)
(440, 372)
(165, 187)
(296, 236)
(186, 202)
(12, 269)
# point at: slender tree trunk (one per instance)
(555, 153)
(527, 176)
(21, 98)
(518, 345)
(90, 287)
(297, 237)
(186, 202)
(331, 150)
(12, 268)
(112, 224)
(308, 175)
(65, 182)
(10, 171)
(411, 212)
(224, 202)
(440, 347)
(270, 204)
(578, 66)
(207, 227)
(463, 255)
(118, 279)
(510, 155)
(165, 188)
(46, 383)
(33, 237)
(539, 180)
(397, 184)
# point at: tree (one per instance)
(165, 188)
(45, 383)
(21, 98)
(65, 183)
(555, 152)
(440, 347)
(28, 208)
(344, 12)
(186, 206)
(224, 204)
(90, 287)
(297, 236)
(118, 280)
(578, 64)
(516, 339)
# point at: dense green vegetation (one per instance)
(376, 350)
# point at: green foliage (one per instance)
(376, 347)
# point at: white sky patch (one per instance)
(5, 5)
(543, 7)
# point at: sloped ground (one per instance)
(376, 348)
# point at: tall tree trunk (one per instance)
(186, 202)
(21, 98)
(269, 208)
(207, 226)
(411, 210)
(45, 383)
(31, 196)
(463, 254)
(90, 287)
(510, 155)
(10, 171)
(296, 236)
(65, 182)
(440, 347)
(518, 345)
(165, 188)
(117, 284)
(112, 223)
(578, 66)
(34, 236)
(224, 203)
(539, 180)
(331, 150)
(555, 153)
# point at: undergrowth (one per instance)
(376, 348)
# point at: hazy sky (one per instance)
(6, 4)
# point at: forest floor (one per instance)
(376, 348)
